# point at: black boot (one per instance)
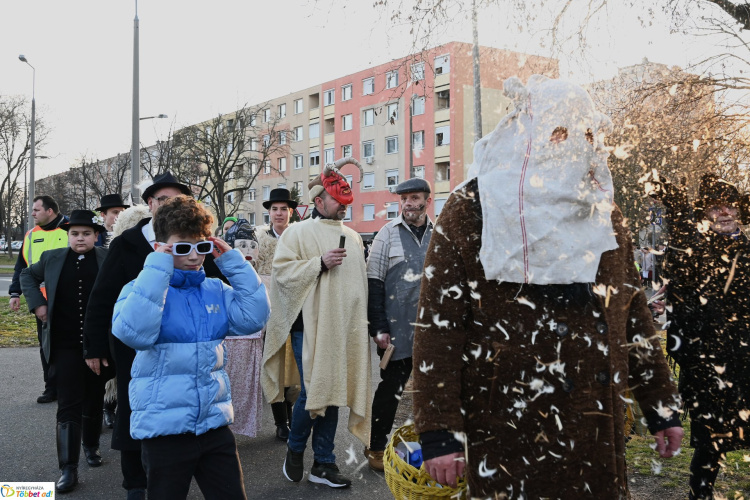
(68, 452)
(280, 419)
(91, 428)
(109, 413)
(289, 408)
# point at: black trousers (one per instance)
(79, 390)
(50, 384)
(385, 402)
(172, 461)
(703, 471)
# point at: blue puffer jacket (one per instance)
(177, 320)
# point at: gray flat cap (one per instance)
(414, 185)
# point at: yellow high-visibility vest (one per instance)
(39, 240)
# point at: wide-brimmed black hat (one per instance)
(164, 180)
(279, 195)
(111, 201)
(85, 218)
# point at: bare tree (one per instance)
(220, 159)
(15, 151)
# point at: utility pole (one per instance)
(477, 80)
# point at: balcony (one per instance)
(442, 115)
(329, 111)
(440, 80)
(442, 152)
(315, 113)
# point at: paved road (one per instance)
(4, 284)
(27, 447)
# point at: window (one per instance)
(439, 204)
(281, 186)
(314, 101)
(267, 115)
(348, 216)
(417, 106)
(329, 126)
(443, 99)
(368, 212)
(369, 117)
(349, 179)
(442, 171)
(347, 122)
(442, 64)
(368, 180)
(266, 218)
(282, 110)
(251, 195)
(391, 79)
(391, 210)
(253, 144)
(417, 72)
(417, 140)
(328, 156)
(329, 97)
(253, 120)
(314, 130)
(299, 161)
(417, 172)
(299, 133)
(282, 137)
(266, 192)
(346, 151)
(442, 135)
(251, 218)
(346, 92)
(207, 201)
(391, 145)
(282, 164)
(266, 140)
(368, 149)
(267, 167)
(298, 106)
(391, 178)
(368, 86)
(392, 110)
(230, 198)
(299, 187)
(253, 168)
(314, 158)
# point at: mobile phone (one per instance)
(342, 241)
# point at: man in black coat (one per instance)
(127, 253)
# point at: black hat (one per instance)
(85, 218)
(111, 201)
(714, 190)
(414, 185)
(164, 180)
(280, 195)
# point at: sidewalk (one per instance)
(27, 446)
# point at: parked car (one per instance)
(16, 245)
(3, 246)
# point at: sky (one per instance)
(198, 59)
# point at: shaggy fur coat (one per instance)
(535, 377)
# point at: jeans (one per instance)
(323, 428)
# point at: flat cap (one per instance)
(414, 185)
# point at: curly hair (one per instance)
(182, 216)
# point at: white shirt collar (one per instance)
(148, 233)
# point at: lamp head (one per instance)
(22, 58)
(162, 116)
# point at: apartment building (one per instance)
(412, 117)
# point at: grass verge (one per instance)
(17, 329)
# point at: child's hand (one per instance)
(166, 248)
(220, 247)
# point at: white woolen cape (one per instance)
(336, 349)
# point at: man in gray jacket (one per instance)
(394, 273)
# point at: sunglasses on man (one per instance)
(184, 248)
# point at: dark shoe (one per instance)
(137, 494)
(282, 432)
(375, 459)
(109, 418)
(68, 452)
(48, 396)
(329, 475)
(91, 428)
(294, 467)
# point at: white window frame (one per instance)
(346, 150)
(266, 140)
(346, 92)
(266, 192)
(253, 120)
(364, 148)
(251, 218)
(251, 195)
(391, 177)
(299, 133)
(266, 115)
(393, 139)
(310, 157)
(299, 106)
(299, 162)
(391, 210)
(266, 218)
(282, 164)
(282, 110)
(392, 110)
(417, 140)
(368, 212)
(417, 172)
(446, 131)
(417, 71)
(314, 126)
(368, 117)
(418, 109)
(347, 122)
(368, 86)
(348, 216)
(282, 137)
(329, 155)
(329, 97)
(443, 64)
(368, 180)
(391, 79)
(300, 187)
(266, 166)
(439, 204)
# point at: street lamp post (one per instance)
(30, 222)
(135, 148)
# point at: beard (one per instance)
(414, 215)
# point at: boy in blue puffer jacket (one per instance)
(176, 319)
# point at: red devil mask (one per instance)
(338, 188)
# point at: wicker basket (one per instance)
(405, 481)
